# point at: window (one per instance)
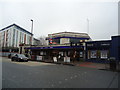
(81, 54)
(13, 37)
(93, 54)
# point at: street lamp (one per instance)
(31, 30)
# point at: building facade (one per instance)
(14, 35)
(11, 37)
(98, 51)
(102, 51)
(115, 47)
(61, 46)
(67, 38)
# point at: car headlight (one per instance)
(20, 58)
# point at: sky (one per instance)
(98, 18)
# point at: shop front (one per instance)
(98, 51)
(57, 53)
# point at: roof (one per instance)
(36, 39)
(69, 34)
(22, 29)
(116, 36)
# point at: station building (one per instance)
(93, 51)
(62, 45)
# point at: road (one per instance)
(46, 75)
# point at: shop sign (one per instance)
(105, 44)
(55, 59)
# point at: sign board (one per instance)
(113, 58)
(39, 57)
(66, 59)
(55, 59)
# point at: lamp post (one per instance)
(31, 30)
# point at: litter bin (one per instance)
(112, 63)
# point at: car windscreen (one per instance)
(21, 55)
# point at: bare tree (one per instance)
(43, 40)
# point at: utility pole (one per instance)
(31, 31)
(88, 26)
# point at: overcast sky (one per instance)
(52, 16)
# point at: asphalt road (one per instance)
(47, 75)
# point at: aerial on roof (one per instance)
(24, 30)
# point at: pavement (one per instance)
(82, 64)
(49, 75)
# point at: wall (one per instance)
(115, 47)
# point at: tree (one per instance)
(43, 40)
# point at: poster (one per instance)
(81, 54)
(55, 59)
(93, 54)
(104, 54)
(39, 57)
(66, 59)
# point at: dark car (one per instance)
(19, 57)
(11, 54)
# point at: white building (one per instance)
(14, 35)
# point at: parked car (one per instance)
(11, 54)
(19, 57)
